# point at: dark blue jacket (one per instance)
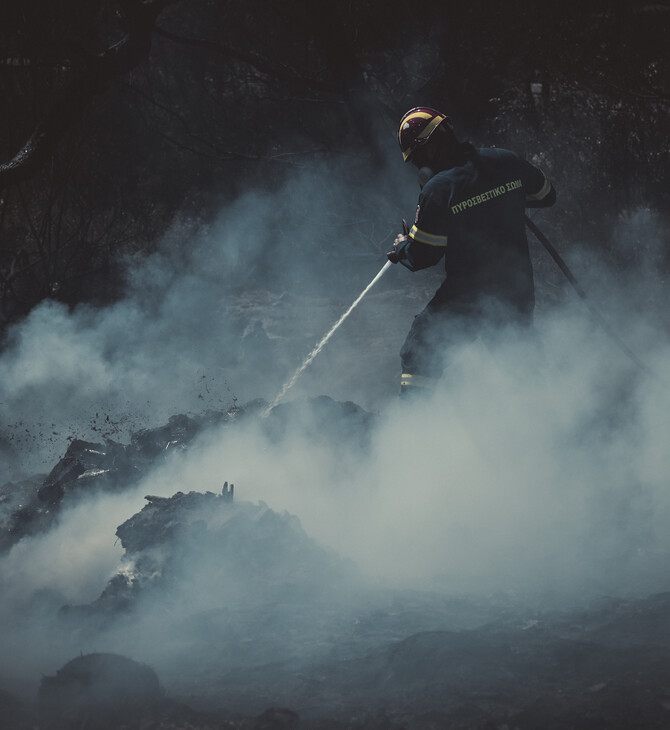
(473, 215)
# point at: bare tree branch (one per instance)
(216, 153)
(175, 115)
(114, 61)
(256, 60)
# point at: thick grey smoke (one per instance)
(542, 475)
(223, 311)
(550, 481)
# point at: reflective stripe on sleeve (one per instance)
(429, 238)
(543, 192)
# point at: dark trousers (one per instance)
(444, 325)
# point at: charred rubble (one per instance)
(276, 629)
(252, 625)
(32, 506)
(240, 553)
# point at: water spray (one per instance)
(548, 246)
(306, 362)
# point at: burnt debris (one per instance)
(33, 505)
(236, 550)
(177, 433)
(228, 492)
(240, 610)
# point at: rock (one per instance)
(87, 465)
(277, 718)
(176, 434)
(99, 691)
(86, 468)
(343, 422)
(31, 506)
(206, 542)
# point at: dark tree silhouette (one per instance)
(121, 114)
(92, 74)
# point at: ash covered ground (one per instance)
(225, 613)
(493, 557)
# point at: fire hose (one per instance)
(582, 295)
(552, 252)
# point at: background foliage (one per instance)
(121, 114)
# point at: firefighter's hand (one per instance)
(392, 256)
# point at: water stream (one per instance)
(290, 383)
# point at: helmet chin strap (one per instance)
(425, 173)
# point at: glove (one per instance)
(392, 256)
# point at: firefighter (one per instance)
(471, 213)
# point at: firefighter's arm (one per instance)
(540, 192)
(419, 250)
(424, 244)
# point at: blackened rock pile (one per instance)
(87, 468)
(344, 422)
(33, 505)
(205, 550)
(177, 433)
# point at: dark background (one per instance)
(119, 116)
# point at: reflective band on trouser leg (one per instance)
(416, 381)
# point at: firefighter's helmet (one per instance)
(416, 127)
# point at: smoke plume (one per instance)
(537, 469)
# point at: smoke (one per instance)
(543, 482)
(539, 475)
(221, 313)
(69, 560)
